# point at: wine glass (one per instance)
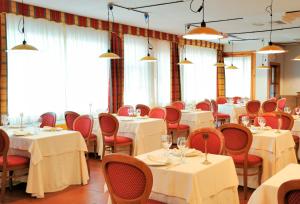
(297, 111)
(4, 120)
(245, 120)
(181, 144)
(261, 122)
(287, 110)
(130, 111)
(37, 124)
(166, 141)
(138, 112)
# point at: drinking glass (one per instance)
(130, 111)
(181, 144)
(166, 141)
(37, 124)
(297, 111)
(261, 122)
(287, 110)
(4, 120)
(245, 120)
(138, 112)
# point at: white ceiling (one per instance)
(172, 18)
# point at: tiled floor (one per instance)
(93, 193)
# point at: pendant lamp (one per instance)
(271, 48)
(231, 66)
(23, 46)
(203, 32)
(109, 54)
(185, 61)
(148, 57)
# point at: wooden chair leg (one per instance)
(3, 183)
(103, 152)
(95, 149)
(245, 177)
(131, 150)
(10, 173)
(259, 175)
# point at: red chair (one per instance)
(203, 105)
(9, 163)
(48, 119)
(157, 113)
(70, 116)
(273, 99)
(269, 106)
(215, 141)
(238, 140)
(281, 104)
(289, 192)
(270, 118)
(123, 111)
(128, 179)
(173, 122)
(252, 108)
(235, 99)
(219, 117)
(221, 100)
(109, 125)
(178, 104)
(144, 109)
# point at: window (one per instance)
(198, 81)
(66, 73)
(146, 83)
(238, 81)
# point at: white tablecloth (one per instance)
(267, 192)
(296, 130)
(195, 183)
(197, 119)
(234, 110)
(276, 150)
(57, 160)
(146, 133)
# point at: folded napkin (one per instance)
(21, 132)
(188, 152)
(157, 159)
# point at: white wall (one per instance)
(261, 75)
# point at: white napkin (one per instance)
(157, 159)
(188, 152)
(21, 132)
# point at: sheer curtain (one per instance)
(238, 81)
(66, 73)
(198, 81)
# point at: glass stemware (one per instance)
(138, 112)
(245, 121)
(297, 111)
(261, 122)
(287, 110)
(181, 144)
(166, 141)
(37, 124)
(205, 138)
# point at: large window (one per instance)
(66, 73)
(238, 81)
(198, 81)
(146, 83)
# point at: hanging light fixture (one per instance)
(219, 63)
(148, 57)
(297, 58)
(270, 48)
(185, 61)
(231, 66)
(202, 32)
(109, 54)
(24, 46)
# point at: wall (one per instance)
(261, 83)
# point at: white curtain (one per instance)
(199, 80)
(65, 74)
(238, 81)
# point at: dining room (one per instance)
(162, 101)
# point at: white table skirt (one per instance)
(267, 192)
(146, 133)
(234, 110)
(197, 119)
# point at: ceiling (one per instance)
(172, 18)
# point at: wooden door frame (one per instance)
(278, 66)
(251, 54)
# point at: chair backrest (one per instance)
(253, 107)
(70, 116)
(281, 104)
(123, 111)
(109, 124)
(269, 106)
(4, 145)
(214, 106)
(128, 179)
(84, 125)
(289, 192)
(238, 139)
(173, 115)
(215, 141)
(270, 118)
(203, 105)
(273, 99)
(287, 120)
(144, 109)
(157, 112)
(235, 99)
(48, 119)
(221, 100)
(178, 104)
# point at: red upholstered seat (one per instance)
(176, 126)
(253, 160)
(153, 202)
(119, 140)
(13, 160)
(293, 197)
(296, 138)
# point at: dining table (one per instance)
(296, 129)
(191, 181)
(234, 110)
(57, 157)
(145, 132)
(268, 191)
(197, 119)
